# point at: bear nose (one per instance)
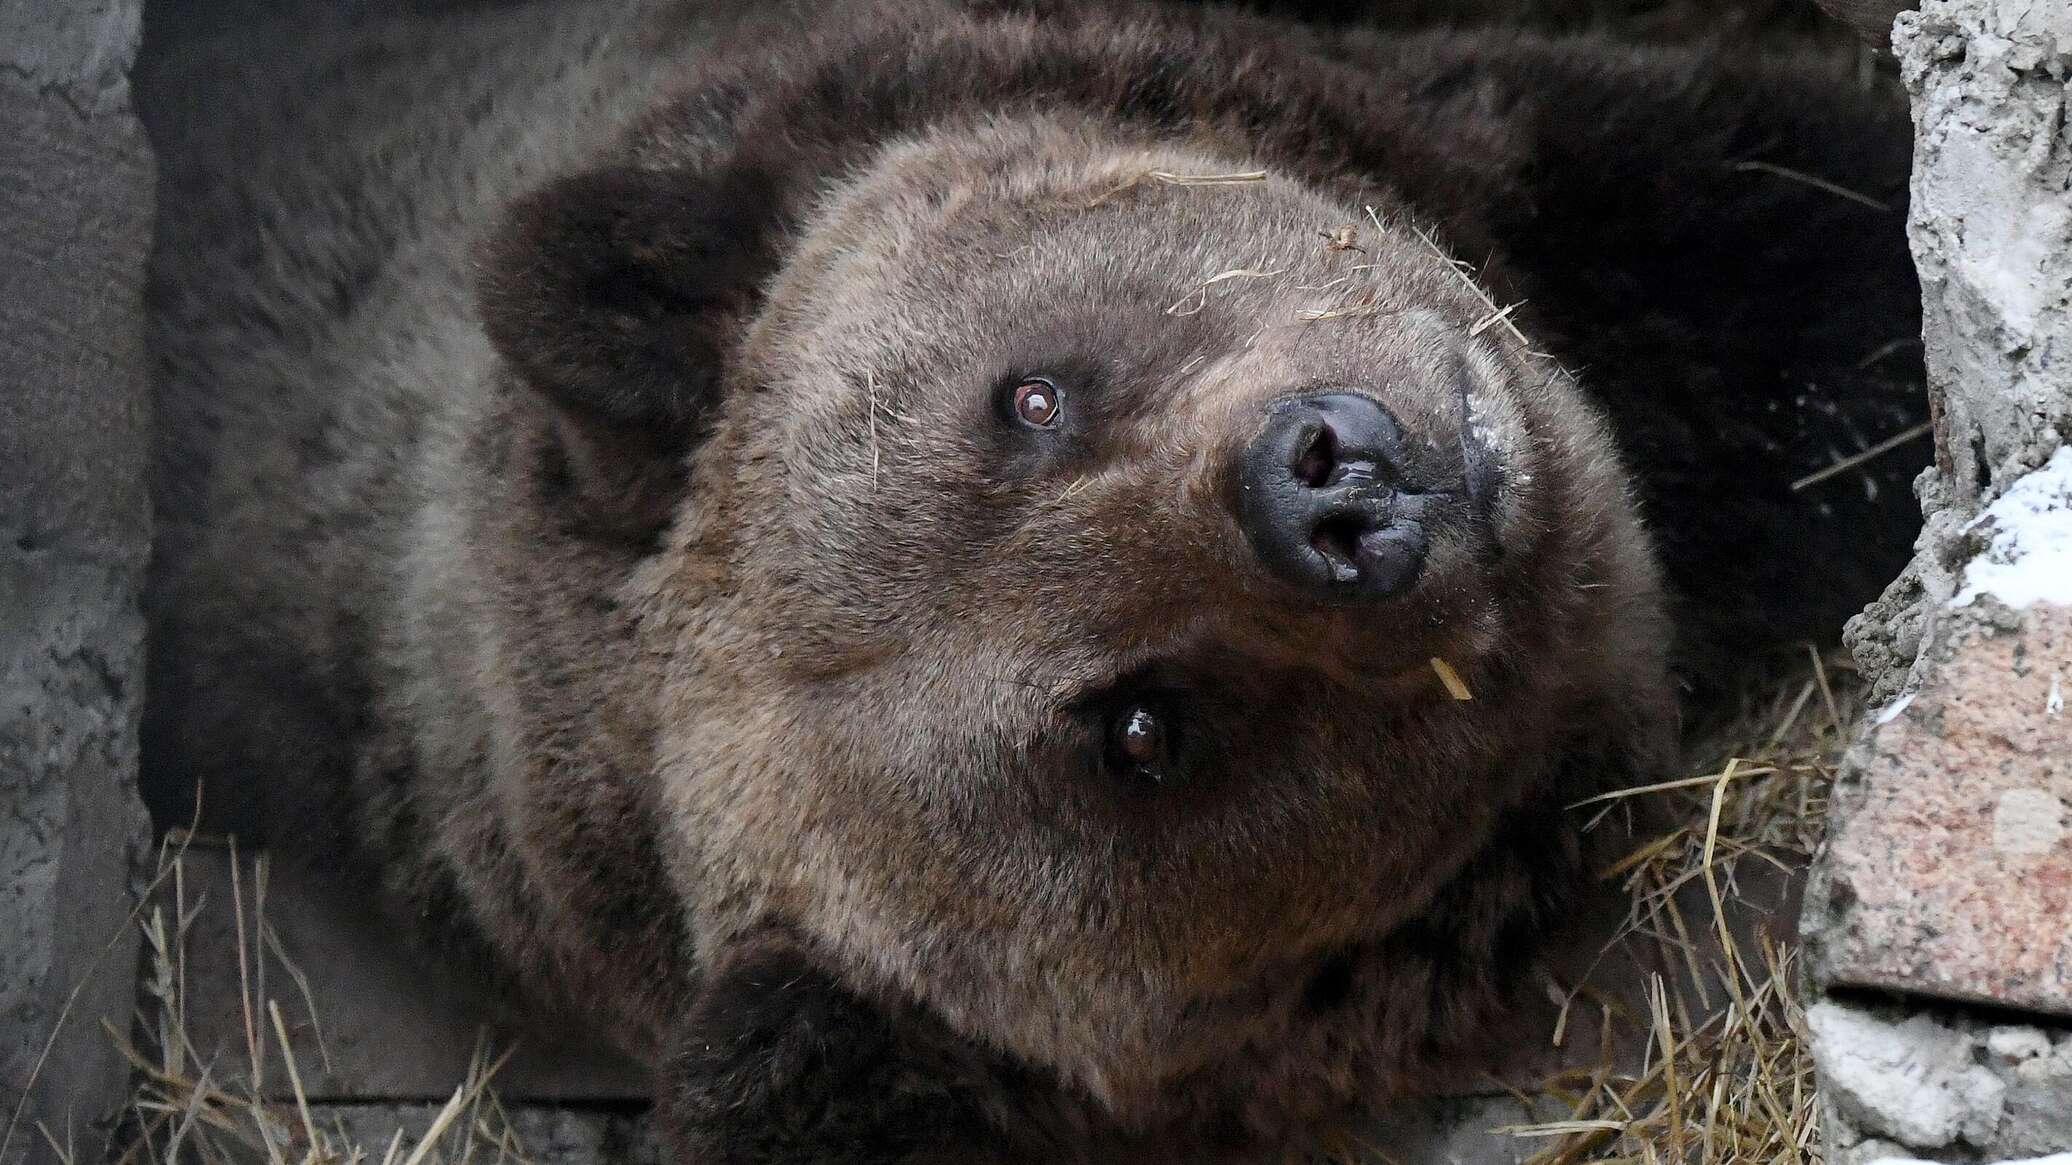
(1325, 498)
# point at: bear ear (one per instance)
(616, 292)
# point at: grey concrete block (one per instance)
(1902, 1082)
(77, 50)
(1943, 814)
(75, 195)
(1991, 223)
(69, 644)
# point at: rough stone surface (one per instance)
(78, 50)
(75, 195)
(1949, 868)
(1901, 1084)
(1991, 225)
(1991, 219)
(1913, 1081)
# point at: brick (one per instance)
(1949, 872)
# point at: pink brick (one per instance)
(1949, 873)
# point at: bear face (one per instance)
(1030, 710)
(915, 612)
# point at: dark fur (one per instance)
(687, 630)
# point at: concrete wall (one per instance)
(75, 213)
(1991, 223)
(1939, 921)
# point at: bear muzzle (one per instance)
(1341, 503)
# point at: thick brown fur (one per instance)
(591, 519)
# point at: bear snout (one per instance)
(1339, 501)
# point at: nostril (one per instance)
(1337, 538)
(1319, 456)
(1322, 496)
(1370, 550)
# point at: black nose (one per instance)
(1325, 496)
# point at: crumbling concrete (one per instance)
(75, 195)
(1948, 874)
(1900, 1083)
(1991, 224)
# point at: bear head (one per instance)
(1092, 583)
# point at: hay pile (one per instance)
(188, 1107)
(1727, 1076)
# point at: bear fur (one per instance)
(589, 523)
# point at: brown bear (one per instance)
(995, 581)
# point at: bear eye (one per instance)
(1038, 402)
(1139, 738)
